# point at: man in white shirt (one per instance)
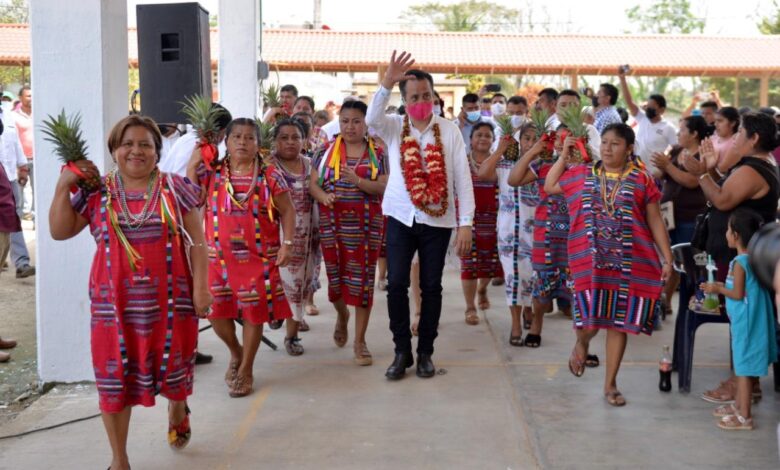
(571, 97)
(469, 116)
(654, 133)
(176, 159)
(418, 221)
(15, 163)
(548, 101)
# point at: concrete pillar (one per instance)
(573, 81)
(79, 63)
(238, 55)
(736, 92)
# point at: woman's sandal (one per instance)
(516, 341)
(312, 310)
(242, 386)
(736, 422)
(615, 398)
(362, 354)
(483, 301)
(303, 326)
(533, 341)
(577, 362)
(592, 360)
(526, 324)
(416, 324)
(293, 346)
(471, 317)
(230, 375)
(179, 434)
(341, 335)
(725, 410)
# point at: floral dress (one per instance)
(515, 223)
(299, 276)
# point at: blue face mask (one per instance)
(473, 116)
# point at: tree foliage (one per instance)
(15, 11)
(771, 24)
(666, 17)
(467, 15)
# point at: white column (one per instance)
(79, 63)
(238, 54)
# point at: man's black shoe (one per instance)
(425, 367)
(203, 358)
(398, 368)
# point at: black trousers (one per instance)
(431, 244)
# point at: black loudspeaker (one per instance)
(174, 57)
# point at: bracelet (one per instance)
(288, 242)
(703, 176)
(198, 245)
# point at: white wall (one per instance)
(79, 63)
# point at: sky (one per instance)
(555, 16)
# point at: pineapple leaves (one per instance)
(203, 116)
(65, 134)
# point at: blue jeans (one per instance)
(431, 244)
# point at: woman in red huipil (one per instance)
(245, 202)
(144, 301)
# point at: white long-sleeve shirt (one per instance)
(11, 152)
(396, 202)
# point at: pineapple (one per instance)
(272, 100)
(203, 117)
(505, 124)
(69, 144)
(571, 117)
(265, 138)
(539, 120)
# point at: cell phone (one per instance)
(625, 68)
(493, 87)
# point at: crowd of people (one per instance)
(388, 196)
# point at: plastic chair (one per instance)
(691, 264)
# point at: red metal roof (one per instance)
(319, 50)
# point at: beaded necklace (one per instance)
(240, 202)
(136, 221)
(609, 199)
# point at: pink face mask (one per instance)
(420, 111)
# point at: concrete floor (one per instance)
(496, 407)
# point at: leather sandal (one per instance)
(533, 341)
(471, 317)
(362, 354)
(341, 335)
(615, 398)
(230, 375)
(303, 326)
(179, 434)
(293, 346)
(242, 386)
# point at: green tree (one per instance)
(771, 24)
(14, 11)
(666, 17)
(467, 15)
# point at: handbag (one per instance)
(701, 230)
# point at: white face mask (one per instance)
(497, 109)
(7, 106)
(517, 121)
(436, 110)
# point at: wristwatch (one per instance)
(288, 242)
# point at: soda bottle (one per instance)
(665, 371)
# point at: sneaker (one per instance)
(25, 271)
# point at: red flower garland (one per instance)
(427, 184)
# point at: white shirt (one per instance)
(553, 122)
(176, 159)
(594, 141)
(331, 128)
(396, 202)
(653, 137)
(11, 152)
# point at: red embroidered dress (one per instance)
(482, 261)
(352, 231)
(613, 260)
(243, 243)
(144, 328)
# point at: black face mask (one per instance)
(651, 113)
(595, 100)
